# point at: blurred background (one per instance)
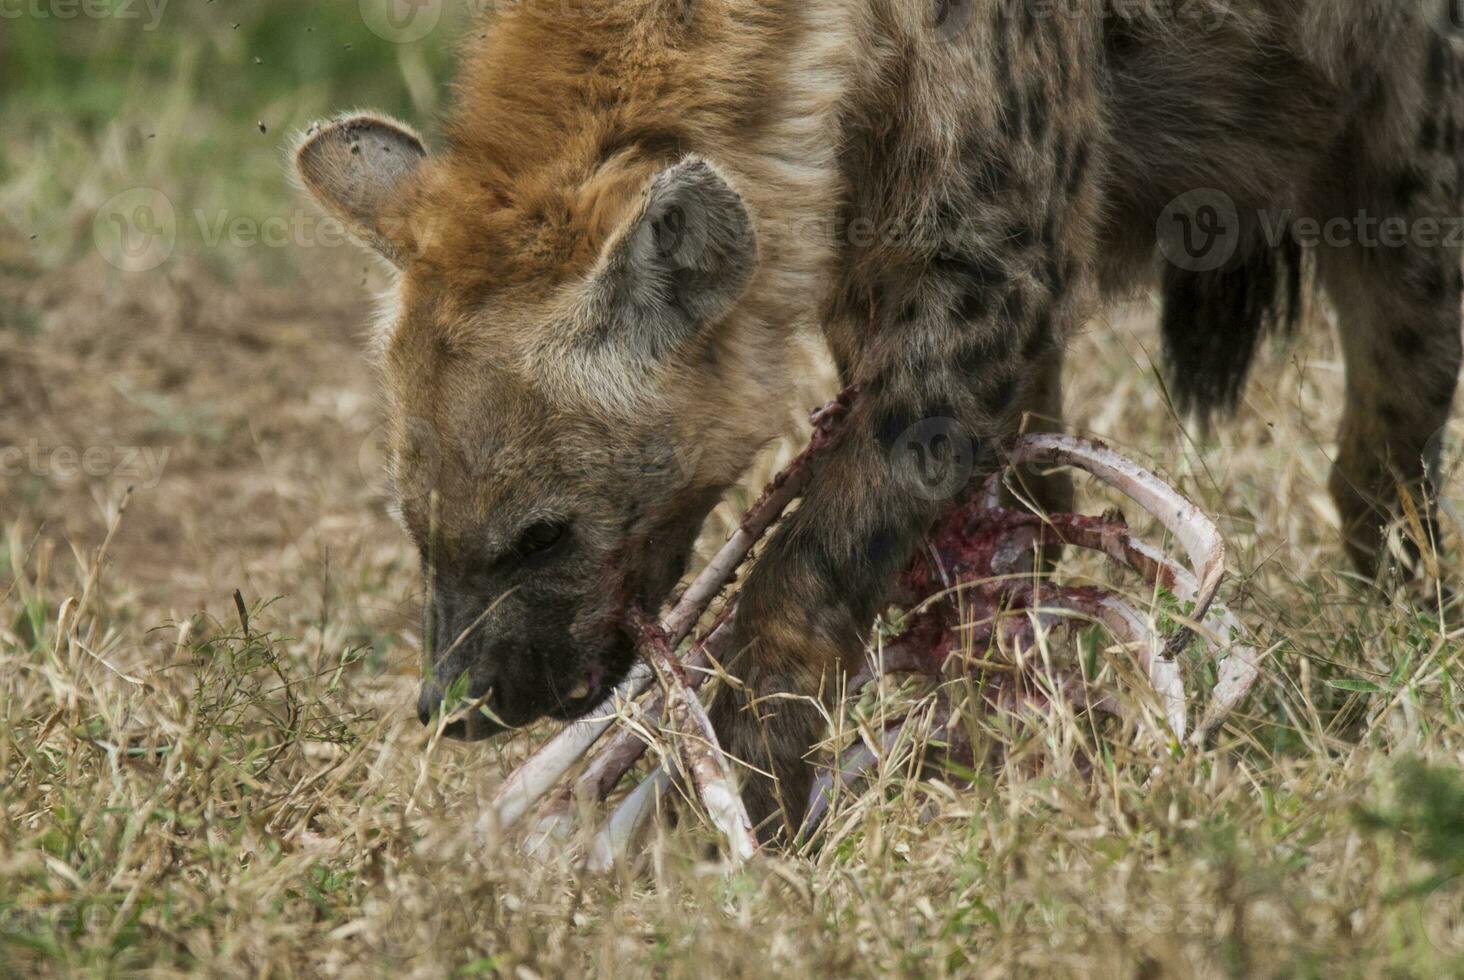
(173, 316)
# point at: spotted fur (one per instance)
(641, 205)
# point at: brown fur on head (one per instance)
(576, 368)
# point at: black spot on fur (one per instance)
(1406, 186)
(973, 305)
(1438, 58)
(974, 359)
(1010, 121)
(993, 176)
(1408, 342)
(1430, 279)
(656, 144)
(879, 549)
(1014, 307)
(972, 270)
(1060, 152)
(1052, 275)
(892, 423)
(1442, 394)
(1428, 137)
(1042, 328)
(894, 420)
(1000, 398)
(1078, 169)
(1021, 236)
(1039, 341)
(1037, 113)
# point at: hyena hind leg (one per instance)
(1397, 288)
(1398, 315)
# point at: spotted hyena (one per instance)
(639, 205)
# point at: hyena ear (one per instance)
(355, 167)
(681, 263)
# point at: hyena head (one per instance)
(571, 384)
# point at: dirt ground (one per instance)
(241, 415)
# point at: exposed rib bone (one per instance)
(617, 756)
(1240, 666)
(613, 843)
(853, 763)
(1111, 537)
(711, 771)
(1196, 532)
(1238, 673)
(528, 784)
(999, 603)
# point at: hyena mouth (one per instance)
(584, 695)
(585, 692)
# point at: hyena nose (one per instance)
(473, 726)
(427, 703)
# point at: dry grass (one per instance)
(188, 786)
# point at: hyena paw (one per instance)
(770, 730)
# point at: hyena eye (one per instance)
(541, 538)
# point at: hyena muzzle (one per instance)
(641, 206)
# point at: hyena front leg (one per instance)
(1040, 410)
(989, 153)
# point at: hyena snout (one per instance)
(506, 663)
